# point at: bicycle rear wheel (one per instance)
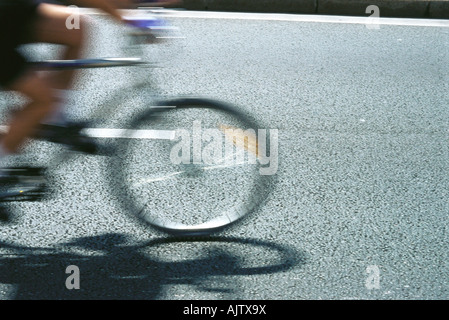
(192, 167)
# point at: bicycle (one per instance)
(186, 166)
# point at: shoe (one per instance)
(69, 134)
(22, 184)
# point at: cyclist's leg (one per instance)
(26, 121)
(50, 27)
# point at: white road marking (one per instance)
(309, 18)
(123, 133)
(131, 134)
(288, 17)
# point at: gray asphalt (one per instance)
(363, 179)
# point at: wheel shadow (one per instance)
(113, 267)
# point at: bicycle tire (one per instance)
(153, 185)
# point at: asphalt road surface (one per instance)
(360, 210)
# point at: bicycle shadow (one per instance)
(121, 271)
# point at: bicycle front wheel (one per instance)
(192, 167)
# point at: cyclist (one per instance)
(33, 21)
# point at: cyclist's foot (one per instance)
(69, 134)
(22, 184)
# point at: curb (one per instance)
(433, 9)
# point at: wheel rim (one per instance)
(158, 195)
